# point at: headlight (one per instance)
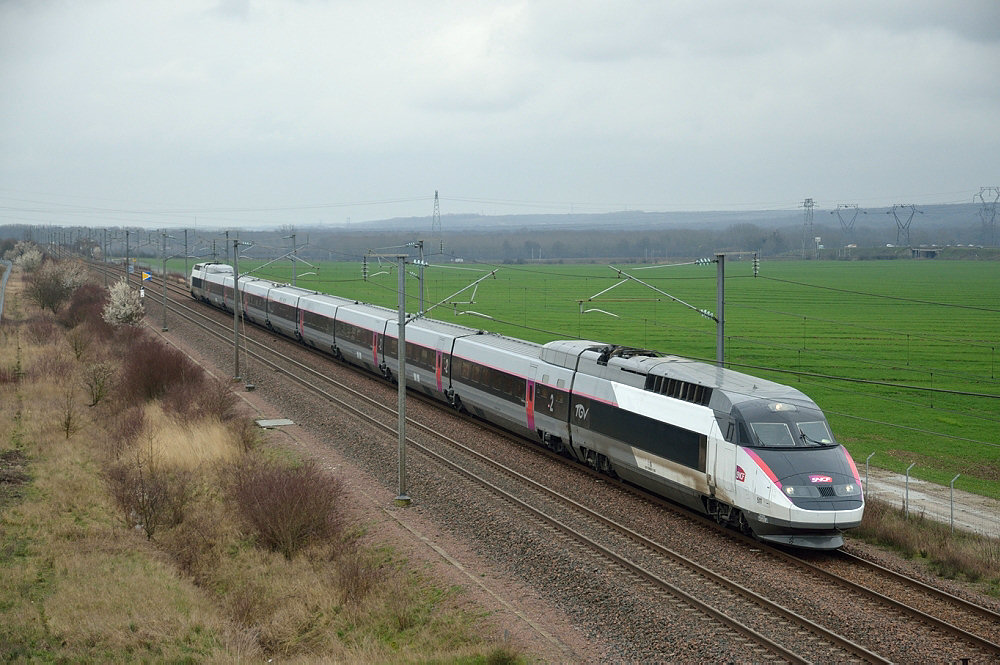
(850, 489)
(789, 490)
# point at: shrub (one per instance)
(9, 375)
(30, 260)
(41, 329)
(48, 287)
(79, 341)
(97, 378)
(124, 306)
(245, 433)
(150, 369)
(216, 400)
(196, 544)
(356, 576)
(287, 508)
(149, 495)
(86, 305)
(124, 424)
(70, 423)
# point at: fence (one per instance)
(8, 269)
(942, 503)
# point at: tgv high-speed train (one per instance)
(752, 453)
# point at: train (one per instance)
(751, 453)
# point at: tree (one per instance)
(29, 261)
(124, 306)
(48, 288)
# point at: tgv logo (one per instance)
(580, 412)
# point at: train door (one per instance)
(721, 464)
(440, 364)
(529, 397)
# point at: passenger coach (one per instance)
(751, 453)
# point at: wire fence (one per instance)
(961, 510)
(8, 268)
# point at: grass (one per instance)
(925, 324)
(80, 583)
(959, 555)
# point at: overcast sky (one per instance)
(238, 112)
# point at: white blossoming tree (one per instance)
(124, 306)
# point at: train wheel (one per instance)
(605, 465)
(744, 526)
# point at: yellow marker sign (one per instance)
(145, 276)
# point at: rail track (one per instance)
(963, 629)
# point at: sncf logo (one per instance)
(741, 475)
(820, 479)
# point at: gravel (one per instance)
(555, 599)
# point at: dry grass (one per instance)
(958, 555)
(188, 444)
(77, 586)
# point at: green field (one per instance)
(926, 324)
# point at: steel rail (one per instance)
(747, 594)
(645, 542)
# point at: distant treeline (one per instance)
(634, 237)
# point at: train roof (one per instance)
(504, 343)
(219, 268)
(444, 327)
(564, 352)
(727, 385)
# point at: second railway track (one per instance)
(667, 570)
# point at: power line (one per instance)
(847, 379)
(846, 324)
(897, 400)
(913, 429)
(886, 297)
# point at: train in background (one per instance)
(751, 453)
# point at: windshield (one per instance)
(816, 433)
(779, 435)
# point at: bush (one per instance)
(217, 401)
(41, 329)
(79, 340)
(151, 369)
(29, 260)
(149, 495)
(97, 378)
(48, 288)
(124, 424)
(357, 575)
(246, 434)
(124, 306)
(287, 508)
(86, 305)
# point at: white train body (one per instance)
(750, 452)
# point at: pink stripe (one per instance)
(530, 404)
(854, 468)
(764, 467)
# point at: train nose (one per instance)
(822, 491)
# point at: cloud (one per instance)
(693, 103)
